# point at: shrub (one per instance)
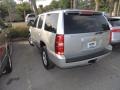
(2, 24)
(18, 31)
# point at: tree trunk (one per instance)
(71, 2)
(97, 2)
(115, 8)
(74, 4)
(118, 9)
(34, 7)
(111, 6)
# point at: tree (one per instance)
(3, 11)
(54, 4)
(97, 5)
(34, 7)
(115, 7)
(10, 5)
(64, 4)
(23, 9)
(86, 4)
(118, 9)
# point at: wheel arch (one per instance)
(42, 44)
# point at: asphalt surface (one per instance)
(29, 74)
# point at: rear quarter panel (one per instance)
(49, 39)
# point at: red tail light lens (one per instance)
(59, 44)
(110, 39)
(115, 30)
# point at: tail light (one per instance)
(59, 44)
(115, 30)
(110, 39)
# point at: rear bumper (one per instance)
(87, 57)
(115, 42)
(62, 62)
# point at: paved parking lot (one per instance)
(29, 74)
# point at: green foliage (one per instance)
(86, 4)
(23, 9)
(14, 33)
(54, 4)
(104, 6)
(18, 18)
(3, 11)
(2, 23)
(64, 4)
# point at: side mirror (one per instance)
(31, 23)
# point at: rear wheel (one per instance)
(45, 59)
(30, 41)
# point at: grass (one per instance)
(19, 24)
(19, 30)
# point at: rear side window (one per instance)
(115, 22)
(40, 21)
(51, 22)
(81, 23)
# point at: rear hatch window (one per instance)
(114, 22)
(84, 23)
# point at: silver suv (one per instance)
(70, 38)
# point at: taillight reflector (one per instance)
(115, 30)
(59, 44)
(110, 39)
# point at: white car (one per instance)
(29, 18)
(115, 30)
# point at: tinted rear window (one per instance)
(115, 22)
(81, 23)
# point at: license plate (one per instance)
(92, 44)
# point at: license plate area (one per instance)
(92, 44)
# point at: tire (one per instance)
(45, 59)
(30, 41)
(8, 67)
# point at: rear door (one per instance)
(39, 28)
(85, 33)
